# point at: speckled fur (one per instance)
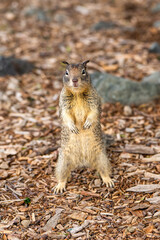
(81, 135)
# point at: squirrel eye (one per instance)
(67, 73)
(83, 71)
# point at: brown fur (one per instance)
(81, 136)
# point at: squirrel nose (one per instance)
(75, 80)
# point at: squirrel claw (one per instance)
(87, 124)
(59, 188)
(74, 130)
(108, 181)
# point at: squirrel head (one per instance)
(76, 76)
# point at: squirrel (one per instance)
(82, 143)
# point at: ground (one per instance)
(45, 33)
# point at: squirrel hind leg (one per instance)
(62, 172)
(104, 169)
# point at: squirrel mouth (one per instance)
(75, 84)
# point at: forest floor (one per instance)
(45, 33)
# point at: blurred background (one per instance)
(122, 40)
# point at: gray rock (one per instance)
(116, 89)
(154, 48)
(39, 13)
(103, 25)
(153, 78)
(13, 66)
(156, 8)
(156, 24)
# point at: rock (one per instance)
(13, 66)
(39, 13)
(156, 24)
(60, 18)
(154, 78)
(97, 182)
(103, 25)
(156, 8)
(117, 89)
(26, 223)
(127, 110)
(154, 48)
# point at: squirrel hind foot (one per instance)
(59, 188)
(108, 181)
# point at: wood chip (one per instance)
(148, 229)
(141, 149)
(148, 188)
(84, 193)
(37, 198)
(152, 175)
(140, 206)
(79, 228)
(4, 165)
(3, 174)
(80, 216)
(154, 200)
(52, 222)
(26, 223)
(13, 237)
(154, 158)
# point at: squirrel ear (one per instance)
(65, 62)
(85, 62)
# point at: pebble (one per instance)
(130, 130)
(154, 48)
(156, 24)
(127, 110)
(97, 182)
(4, 165)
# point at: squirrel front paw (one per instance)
(74, 129)
(87, 124)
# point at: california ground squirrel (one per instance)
(81, 135)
